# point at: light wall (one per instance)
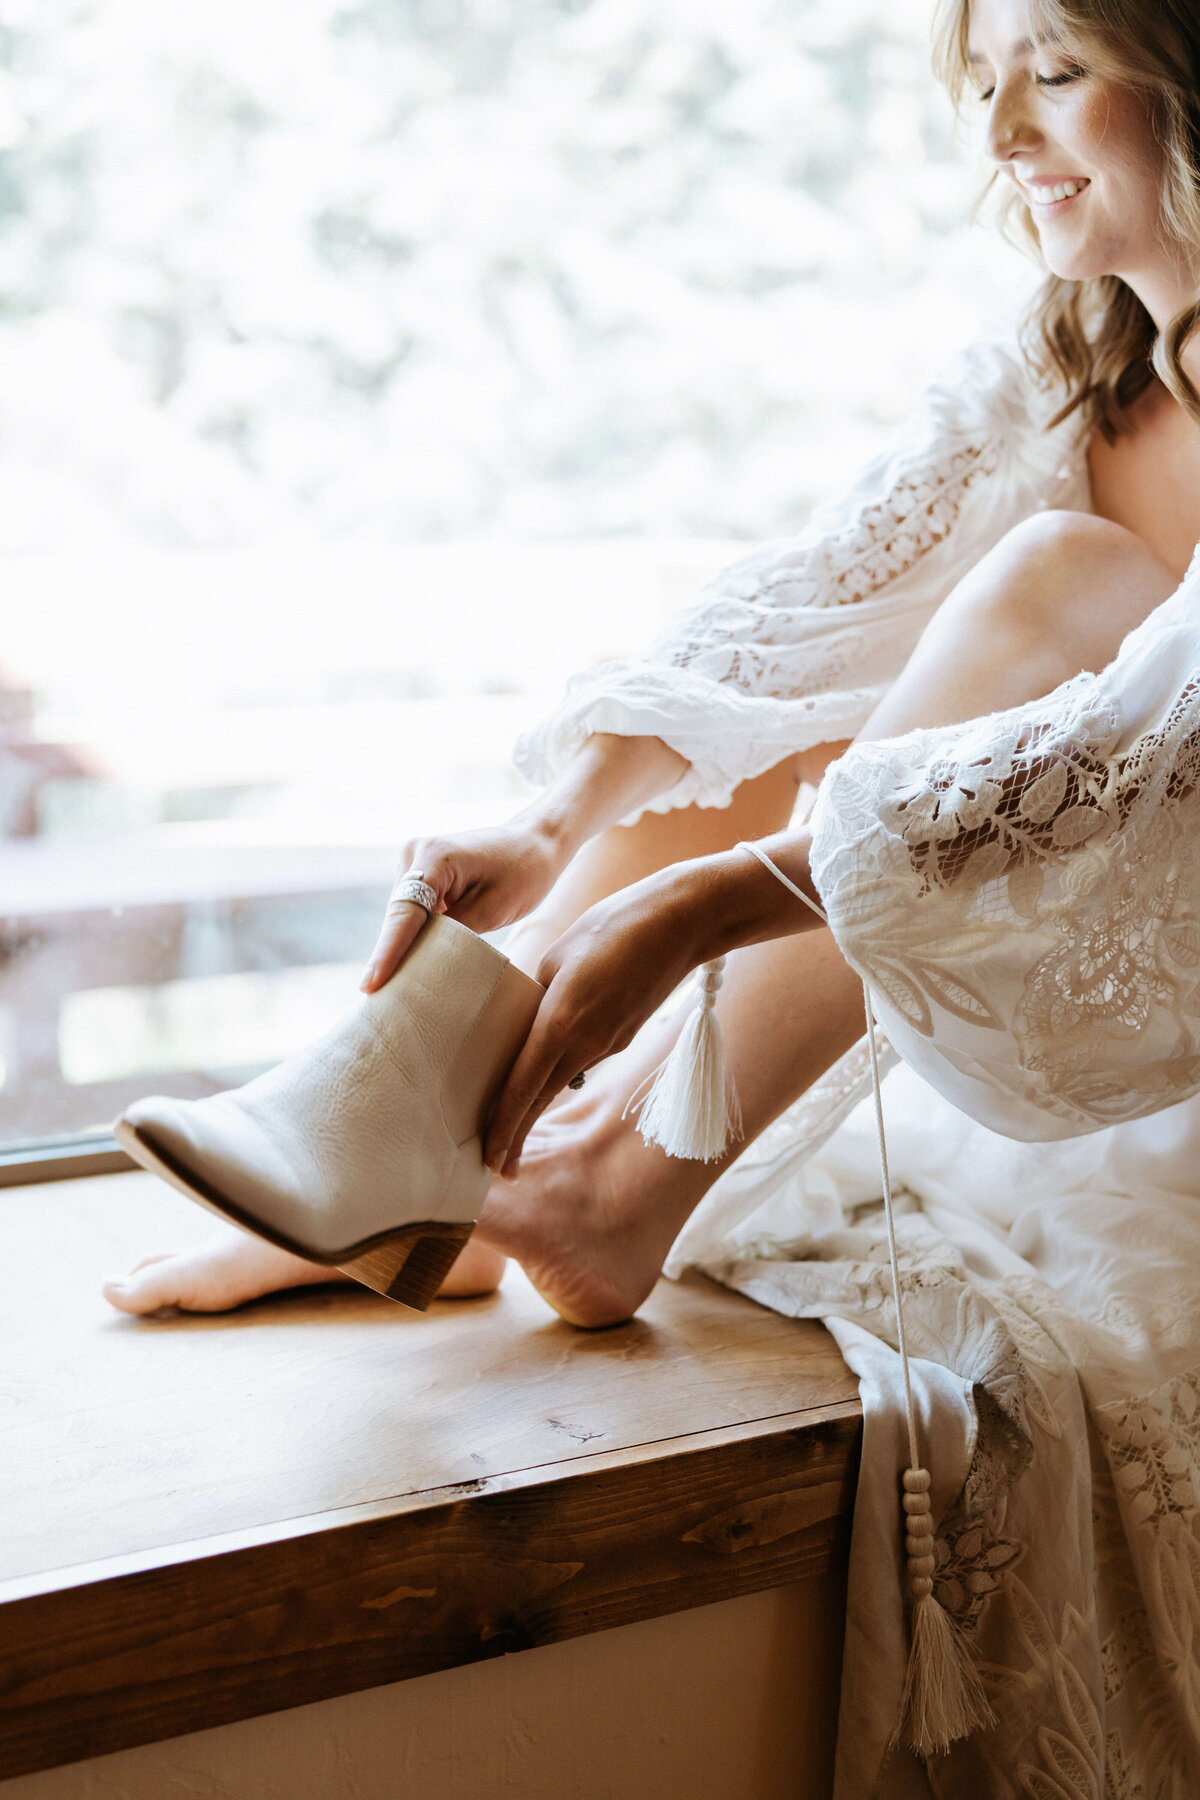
(735, 1701)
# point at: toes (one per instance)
(154, 1284)
(232, 1270)
(223, 1274)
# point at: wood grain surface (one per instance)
(204, 1519)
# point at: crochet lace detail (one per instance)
(889, 535)
(796, 643)
(1035, 878)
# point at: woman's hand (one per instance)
(489, 878)
(604, 977)
(612, 970)
(484, 879)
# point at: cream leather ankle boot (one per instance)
(365, 1150)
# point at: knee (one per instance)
(1029, 582)
(1055, 532)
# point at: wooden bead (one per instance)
(921, 1565)
(919, 1525)
(921, 1586)
(917, 1481)
(920, 1548)
(916, 1503)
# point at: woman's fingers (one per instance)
(603, 978)
(402, 925)
(527, 1094)
(402, 922)
(484, 879)
(555, 1050)
(561, 1045)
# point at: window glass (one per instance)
(367, 367)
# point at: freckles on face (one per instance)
(1057, 124)
(1102, 130)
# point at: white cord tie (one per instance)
(944, 1698)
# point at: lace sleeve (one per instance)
(795, 644)
(1022, 892)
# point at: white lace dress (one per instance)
(1023, 895)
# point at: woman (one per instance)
(1002, 614)
(980, 575)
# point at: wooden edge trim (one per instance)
(128, 1652)
(168, 1556)
(67, 1161)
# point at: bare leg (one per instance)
(235, 1267)
(594, 1210)
(1056, 595)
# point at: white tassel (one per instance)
(943, 1696)
(692, 1109)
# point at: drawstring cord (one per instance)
(943, 1696)
(885, 1173)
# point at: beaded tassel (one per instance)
(692, 1108)
(943, 1697)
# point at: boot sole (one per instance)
(407, 1264)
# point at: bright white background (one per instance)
(366, 366)
(438, 268)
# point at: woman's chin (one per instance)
(1071, 261)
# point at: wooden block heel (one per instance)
(411, 1266)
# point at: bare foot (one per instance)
(590, 1216)
(236, 1267)
(593, 1209)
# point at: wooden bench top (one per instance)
(202, 1519)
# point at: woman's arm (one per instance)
(490, 878)
(795, 645)
(790, 649)
(613, 969)
(608, 777)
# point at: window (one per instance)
(367, 367)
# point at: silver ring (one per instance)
(576, 1081)
(413, 887)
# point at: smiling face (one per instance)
(1078, 146)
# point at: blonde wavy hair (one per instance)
(1094, 337)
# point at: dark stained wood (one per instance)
(455, 1486)
(444, 1580)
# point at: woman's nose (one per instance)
(1011, 131)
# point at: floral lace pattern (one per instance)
(1152, 1443)
(1024, 890)
(889, 536)
(1070, 1556)
(796, 643)
(1022, 894)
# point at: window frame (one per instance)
(62, 1159)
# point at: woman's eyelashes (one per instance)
(1062, 79)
